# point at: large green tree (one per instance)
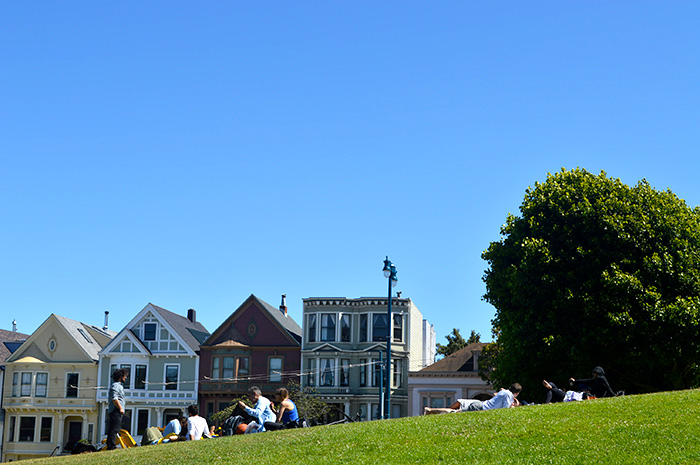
(594, 272)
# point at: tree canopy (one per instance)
(594, 272)
(455, 341)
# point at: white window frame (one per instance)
(383, 315)
(330, 336)
(148, 418)
(363, 373)
(396, 374)
(312, 336)
(311, 372)
(231, 370)
(77, 385)
(41, 420)
(36, 384)
(165, 376)
(15, 384)
(155, 333)
(323, 363)
(275, 377)
(22, 384)
(129, 366)
(12, 428)
(376, 368)
(367, 327)
(342, 316)
(91, 432)
(344, 363)
(19, 428)
(145, 378)
(246, 376)
(394, 328)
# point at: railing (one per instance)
(52, 402)
(136, 395)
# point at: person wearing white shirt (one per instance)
(504, 399)
(196, 425)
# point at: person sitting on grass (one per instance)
(287, 411)
(261, 412)
(175, 426)
(598, 385)
(504, 399)
(196, 425)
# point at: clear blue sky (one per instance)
(189, 154)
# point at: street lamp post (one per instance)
(390, 273)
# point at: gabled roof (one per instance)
(192, 333)
(189, 334)
(12, 338)
(83, 335)
(79, 332)
(285, 321)
(128, 335)
(462, 360)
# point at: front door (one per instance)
(75, 430)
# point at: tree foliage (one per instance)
(310, 407)
(455, 341)
(594, 272)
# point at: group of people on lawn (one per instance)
(266, 419)
(195, 427)
(594, 387)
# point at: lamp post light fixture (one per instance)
(390, 274)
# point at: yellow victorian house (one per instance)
(50, 389)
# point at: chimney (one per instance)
(14, 326)
(283, 305)
(192, 315)
(106, 320)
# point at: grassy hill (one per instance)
(655, 428)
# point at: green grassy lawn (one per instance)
(655, 428)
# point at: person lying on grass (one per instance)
(504, 399)
(554, 394)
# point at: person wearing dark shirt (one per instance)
(598, 385)
(554, 394)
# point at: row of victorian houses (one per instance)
(55, 381)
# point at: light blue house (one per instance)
(159, 350)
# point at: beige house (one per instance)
(450, 378)
(50, 387)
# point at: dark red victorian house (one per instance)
(258, 345)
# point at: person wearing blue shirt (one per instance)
(503, 399)
(175, 426)
(262, 410)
